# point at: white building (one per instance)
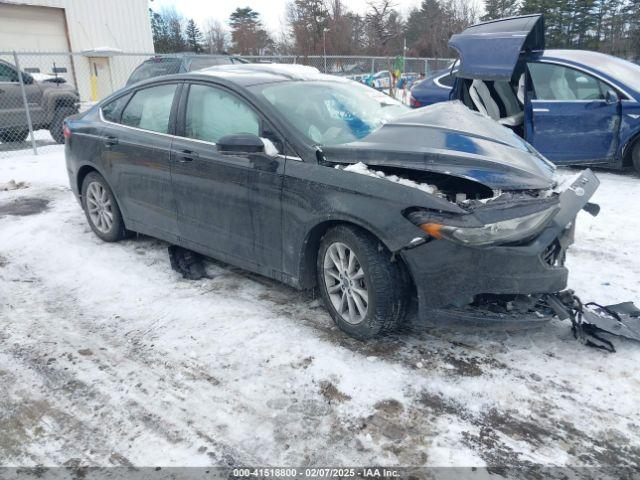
(98, 31)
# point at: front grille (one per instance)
(552, 254)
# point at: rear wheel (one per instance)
(365, 292)
(101, 209)
(635, 156)
(57, 122)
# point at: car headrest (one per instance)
(520, 92)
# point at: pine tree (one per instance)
(495, 9)
(194, 37)
(247, 32)
(160, 32)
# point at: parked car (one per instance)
(179, 63)
(49, 104)
(319, 181)
(433, 89)
(48, 77)
(576, 107)
(380, 80)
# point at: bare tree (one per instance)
(215, 36)
(383, 25)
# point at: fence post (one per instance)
(373, 66)
(26, 104)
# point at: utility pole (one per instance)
(324, 47)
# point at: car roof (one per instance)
(600, 64)
(587, 58)
(255, 73)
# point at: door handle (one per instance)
(541, 110)
(110, 141)
(185, 156)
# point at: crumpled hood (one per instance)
(449, 138)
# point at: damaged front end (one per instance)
(495, 232)
(505, 246)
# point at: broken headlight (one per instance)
(504, 231)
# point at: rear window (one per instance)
(206, 62)
(111, 111)
(446, 80)
(155, 67)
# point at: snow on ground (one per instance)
(108, 357)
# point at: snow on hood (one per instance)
(362, 169)
(449, 138)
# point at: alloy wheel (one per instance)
(99, 207)
(344, 280)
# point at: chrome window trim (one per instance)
(280, 155)
(595, 75)
(437, 81)
(134, 128)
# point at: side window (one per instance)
(213, 113)
(111, 110)
(446, 80)
(150, 108)
(556, 82)
(8, 74)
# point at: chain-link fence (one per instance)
(357, 65)
(38, 90)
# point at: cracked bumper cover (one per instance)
(449, 274)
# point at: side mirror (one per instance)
(611, 96)
(240, 143)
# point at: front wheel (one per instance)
(101, 209)
(635, 156)
(365, 292)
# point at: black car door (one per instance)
(229, 204)
(136, 150)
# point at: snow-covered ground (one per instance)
(108, 357)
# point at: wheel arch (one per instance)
(308, 255)
(85, 170)
(627, 149)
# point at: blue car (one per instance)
(433, 89)
(575, 107)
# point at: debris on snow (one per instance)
(13, 185)
(362, 169)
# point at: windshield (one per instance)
(331, 112)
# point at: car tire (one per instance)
(635, 156)
(366, 295)
(14, 135)
(56, 123)
(101, 209)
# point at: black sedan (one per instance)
(318, 181)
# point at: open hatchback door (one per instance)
(491, 50)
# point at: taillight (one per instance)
(66, 131)
(414, 103)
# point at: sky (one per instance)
(272, 12)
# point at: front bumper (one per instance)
(447, 274)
